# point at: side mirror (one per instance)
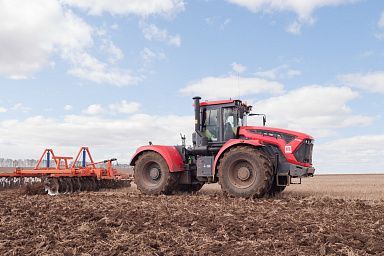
(264, 117)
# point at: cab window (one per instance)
(231, 122)
(211, 124)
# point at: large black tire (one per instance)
(245, 171)
(152, 176)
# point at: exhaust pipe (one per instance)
(197, 114)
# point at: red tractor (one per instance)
(247, 161)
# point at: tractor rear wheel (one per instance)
(152, 176)
(245, 172)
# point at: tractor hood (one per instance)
(296, 146)
(287, 135)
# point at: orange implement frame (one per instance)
(62, 168)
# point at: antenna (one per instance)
(238, 84)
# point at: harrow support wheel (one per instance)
(152, 175)
(245, 172)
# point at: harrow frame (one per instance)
(67, 175)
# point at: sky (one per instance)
(114, 75)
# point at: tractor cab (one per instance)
(218, 121)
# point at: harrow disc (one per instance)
(18, 182)
(69, 185)
(61, 185)
(52, 186)
(76, 184)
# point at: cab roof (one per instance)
(218, 102)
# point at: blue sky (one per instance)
(113, 75)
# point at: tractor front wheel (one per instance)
(245, 172)
(152, 176)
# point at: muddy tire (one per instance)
(245, 172)
(152, 176)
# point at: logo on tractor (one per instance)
(288, 149)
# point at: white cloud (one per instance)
(115, 53)
(303, 8)
(136, 7)
(20, 108)
(280, 72)
(89, 68)
(68, 107)
(293, 72)
(231, 87)
(44, 29)
(318, 110)
(152, 32)
(225, 23)
(294, 28)
(31, 31)
(94, 109)
(367, 54)
(238, 68)
(174, 40)
(3, 110)
(148, 55)
(104, 136)
(357, 154)
(220, 22)
(124, 107)
(371, 81)
(114, 26)
(380, 24)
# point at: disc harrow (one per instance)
(59, 177)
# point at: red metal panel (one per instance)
(293, 145)
(231, 143)
(209, 103)
(169, 153)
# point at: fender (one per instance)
(170, 154)
(231, 143)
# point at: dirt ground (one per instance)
(124, 222)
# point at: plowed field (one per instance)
(124, 222)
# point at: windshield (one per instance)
(231, 116)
